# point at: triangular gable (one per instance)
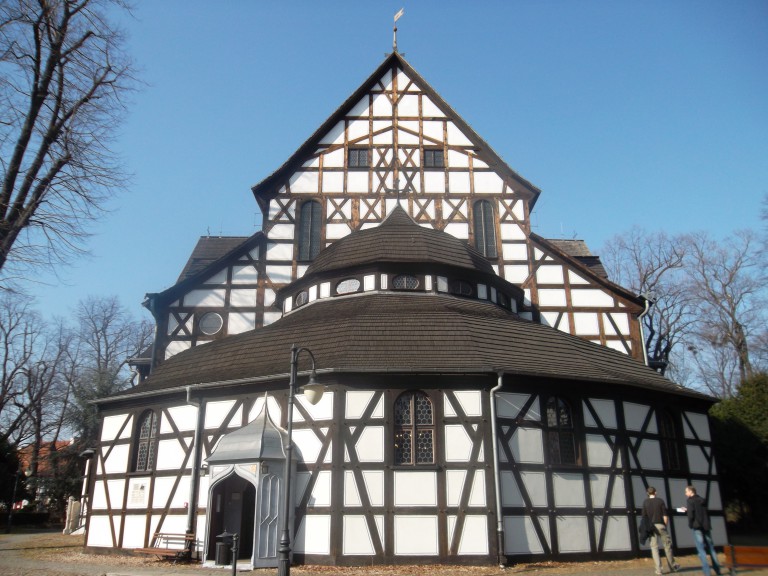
(394, 81)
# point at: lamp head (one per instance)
(313, 391)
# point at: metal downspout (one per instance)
(496, 472)
(642, 332)
(194, 484)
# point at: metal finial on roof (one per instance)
(394, 29)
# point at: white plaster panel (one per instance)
(374, 484)
(173, 323)
(638, 489)
(163, 493)
(370, 446)
(616, 532)
(700, 424)
(526, 445)
(184, 418)
(135, 525)
(304, 183)
(591, 298)
(356, 402)
(270, 317)
(321, 491)
(408, 105)
(474, 537)
(516, 274)
(357, 129)
(312, 162)
(241, 322)
(635, 415)
(176, 346)
(520, 535)
(279, 251)
(337, 231)
(308, 445)
(458, 230)
(279, 274)
(511, 232)
(586, 323)
(170, 455)
(118, 459)
(335, 135)
(351, 493)
(568, 489)
(276, 206)
(508, 405)
(433, 130)
(488, 183)
(213, 297)
(458, 182)
(434, 182)
(383, 132)
(357, 182)
(314, 535)
(219, 277)
(697, 462)
(458, 445)
(242, 298)
(470, 401)
(110, 427)
(572, 534)
(333, 159)
(649, 455)
(620, 319)
(323, 410)
(381, 105)
(455, 483)
(552, 297)
(457, 159)
(719, 534)
(416, 535)
(361, 108)
(429, 109)
(406, 137)
(357, 538)
(273, 409)
(477, 493)
(215, 412)
(574, 278)
(456, 137)
(714, 501)
(677, 497)
(100, 532)
(517, 251)
(116, 490)
(606, 412)
(599, 452)
(415, 488)
(617, 345)
(549, 274)
(244, 274)
(281, 232)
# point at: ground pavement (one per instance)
(52, 554)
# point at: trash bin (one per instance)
(224, 549)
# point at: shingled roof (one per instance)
(208, 250)
(399, 239)
(405, 333)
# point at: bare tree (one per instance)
(651, 264)
(728, 281)
(63, 80)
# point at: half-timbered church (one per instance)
(486, 397)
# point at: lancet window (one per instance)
(310, 217)
(414, 429)
(484, 228)
(146, 442)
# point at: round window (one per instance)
(211, 323)
(348, 286)
(302, 298)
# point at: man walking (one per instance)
(698, 521)
(655, 510)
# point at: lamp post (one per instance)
(27, 473)
(313, 393)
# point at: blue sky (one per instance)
(649, 113)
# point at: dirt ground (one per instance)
(52, 554)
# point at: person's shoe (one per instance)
(675, 567)
(659, 572)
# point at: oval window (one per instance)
(211, 323)
(348, 286)
(302, 298)
(405, 282)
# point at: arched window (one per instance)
(670, 445)
(309, 230)
(561, 438)
(414, 429)
(146, 442)
(485, 228)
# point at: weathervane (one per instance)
(394, 29)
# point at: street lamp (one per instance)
(27, 473)
(313, 392)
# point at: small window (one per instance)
(414, 431)
(358, 158)
(502, 299)
(211, 323)
(433, 159)
(146, 442)
(348, 286)
(561, 437)
(484, 228)
(670, 445)
(310, 217)
(405, 282)
(302, 298)
(461, 288)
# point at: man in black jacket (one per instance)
(655, 510)
(698, 521)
